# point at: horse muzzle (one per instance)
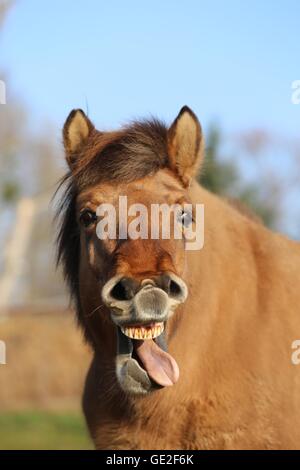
(140, 310)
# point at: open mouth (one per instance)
(140, 310)
(143, 363)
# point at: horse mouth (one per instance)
(143, 363)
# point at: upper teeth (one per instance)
(143, 332)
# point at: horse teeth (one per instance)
(143, 332)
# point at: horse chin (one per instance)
(131, 375)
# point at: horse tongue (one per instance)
(160, 366)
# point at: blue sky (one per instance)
(233, 61)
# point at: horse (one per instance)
(191, 348)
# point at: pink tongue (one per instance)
(160, 366)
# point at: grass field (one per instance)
(46, 362)
(42, 381)
(43, 430)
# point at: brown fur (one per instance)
(232, 338)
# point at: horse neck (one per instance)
(220, 268)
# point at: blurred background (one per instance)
(234, 65)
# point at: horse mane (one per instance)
(126, 155)
(131, 153)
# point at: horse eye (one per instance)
(186, 218)
(87, 217)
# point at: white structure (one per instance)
(29, 276)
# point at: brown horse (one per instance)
(192, 349)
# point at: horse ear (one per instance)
(76, 132)
(185, 145)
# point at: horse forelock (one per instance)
(122, 156)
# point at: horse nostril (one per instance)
(174, 289)
(125, 289)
